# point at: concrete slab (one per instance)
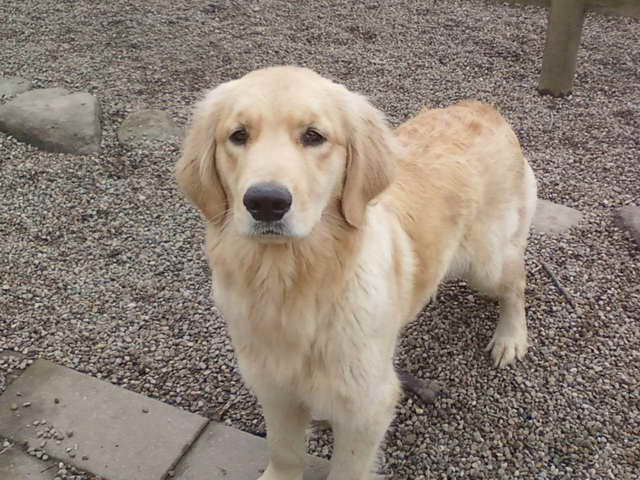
(96, 426)
(16, 464)
(225, 453)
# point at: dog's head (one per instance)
(271, 153)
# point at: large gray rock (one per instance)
(553, 218)
(12, 86)
(629, 217)
(41, 95)
(145, 125)
(54, 120)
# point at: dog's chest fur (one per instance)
(312, 318)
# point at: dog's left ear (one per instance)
(372, 151)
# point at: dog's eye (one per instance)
(311, 138)
(239, 136)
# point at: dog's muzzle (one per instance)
(267, 201)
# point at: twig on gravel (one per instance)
(48, 468)
(556, 282)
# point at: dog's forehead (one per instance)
(285, 78)
(280, 95)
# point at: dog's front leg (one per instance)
(286, 422)
(358, 437)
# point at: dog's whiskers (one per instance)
(224, 215)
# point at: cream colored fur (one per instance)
(379, 219)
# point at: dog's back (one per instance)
(463, 191)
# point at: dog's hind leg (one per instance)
(499, 272)
(509, 340)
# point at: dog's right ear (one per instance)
(196, 170)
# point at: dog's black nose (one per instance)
(267, 202)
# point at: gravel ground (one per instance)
(101, 267)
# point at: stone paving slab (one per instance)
(17, 465)
(117, 434)
(225, 453)
(554, 219)
(629, 218)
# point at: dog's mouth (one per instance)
(270, 231)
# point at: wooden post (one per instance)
(563, 39)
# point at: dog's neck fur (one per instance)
(269, 271)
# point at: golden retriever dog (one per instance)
(327, 232)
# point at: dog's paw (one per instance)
(505, 349)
